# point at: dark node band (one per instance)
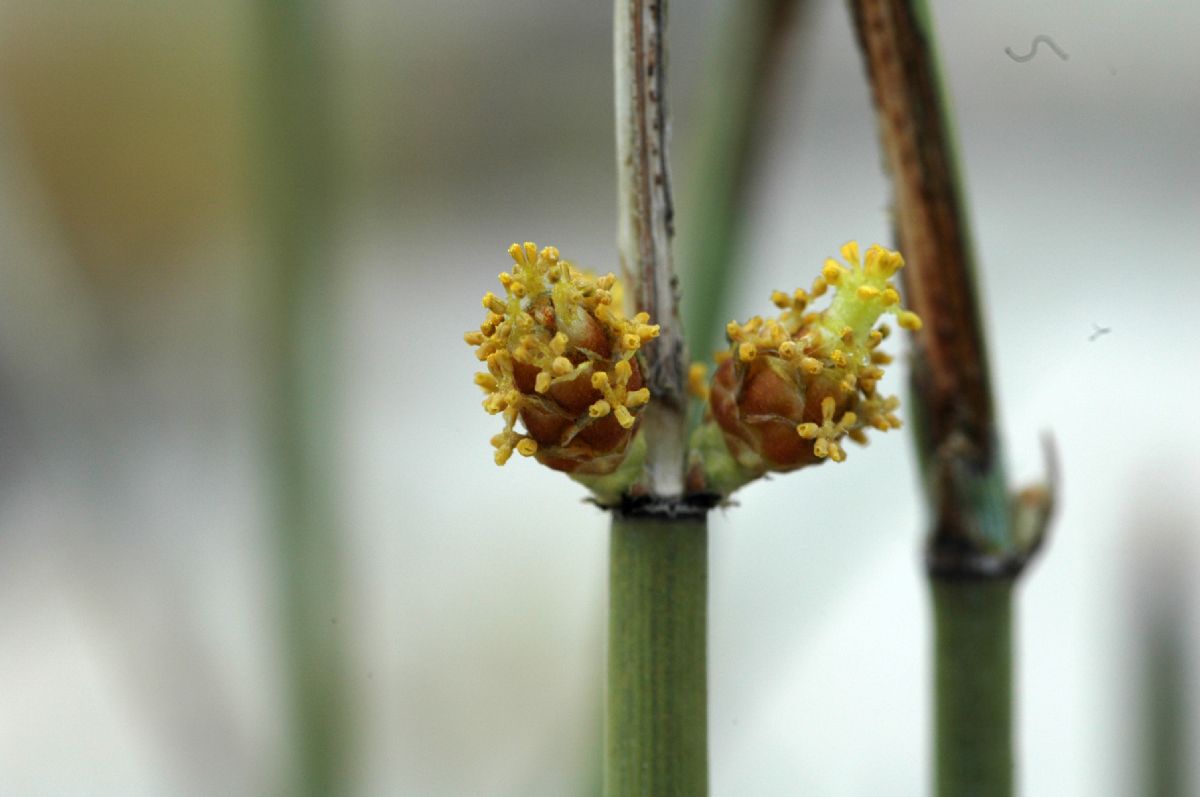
(694, 506)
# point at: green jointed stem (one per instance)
(973, 687)
(980, 537)
(657, 720)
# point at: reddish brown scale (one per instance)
(575, 395)
(549, 418)
(764, 417)
(594, 339)
(607, 433)
(546, 426)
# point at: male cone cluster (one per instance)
(562, 360)
(790, 388)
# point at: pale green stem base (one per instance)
(656, 726)
(973, 687)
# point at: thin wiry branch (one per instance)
(645, 228)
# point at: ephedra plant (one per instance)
(589, 375)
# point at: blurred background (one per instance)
(148, 389)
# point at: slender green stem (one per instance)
(657, 720)
(973, 687)
(294, 154)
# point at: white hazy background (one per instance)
(139, 609)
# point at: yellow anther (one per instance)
(800, 299)
(821, 448)
(867, 292)
(892, 261)
(698, 380)
(550, 255)
(787, 349)
(486, 381)
(781, 300)
(747, 352)
(524, 320)
(606, 282)
(648, 331)
(848, 419)
(542, 383)
(623, 370)
(873, 263)
(890, 297)
(558, 344)
(838, 357)
(561, 366)
(641, 318)
(624, 417)
(850, 252)
(733, 330)
(527, 447)
(503, 455)
(630, 342)
(807, 430)
(505, 278)
(881, 358)
(909, 320)
(637, 398)
(518, 289)
(847, 335)
(819, 286)
(811, 366)
(858, 436)
(475, 338)
(530, 252)
(492, 302)
(516, 253)
(836, 453)
(599, 380)
(832, 272)
(828, 405)
(599, 409)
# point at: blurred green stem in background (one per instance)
(746, 53)
(294, 166)
(657, 740)
(981, 537)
